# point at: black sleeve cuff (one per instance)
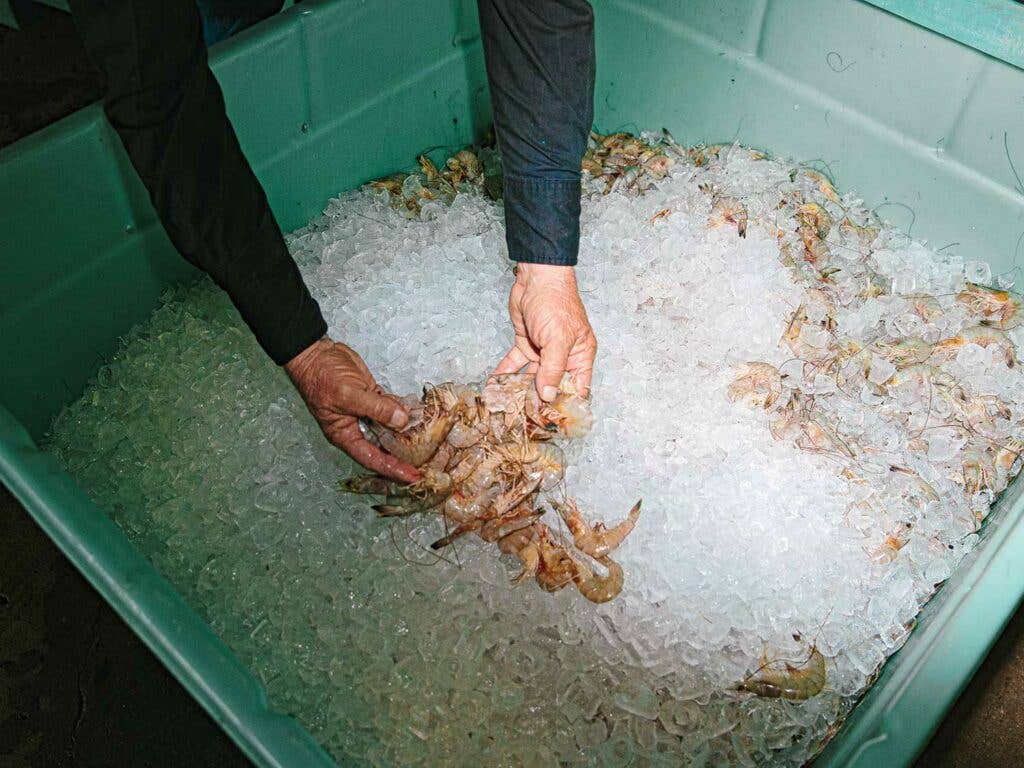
(542, 220)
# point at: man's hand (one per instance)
(553, 334)
(338, 389)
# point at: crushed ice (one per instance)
(749, 545)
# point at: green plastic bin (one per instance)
(330, 94)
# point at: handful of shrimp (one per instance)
(486, 456)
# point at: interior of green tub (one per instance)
(924, 133)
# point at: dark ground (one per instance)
(78, 689)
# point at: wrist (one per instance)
(307, 357)
(545, 274)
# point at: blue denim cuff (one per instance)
(542, 220)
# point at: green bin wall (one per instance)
(330, 94)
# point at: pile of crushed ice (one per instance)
(200, 449)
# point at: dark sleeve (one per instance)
(167, 107)
(540, 67)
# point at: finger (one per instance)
(553, 358)
(581, 367)
(352, 442)
(381, 408)
(512, 362)
(581, 378)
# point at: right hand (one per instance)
(339, 390)
(552, 333)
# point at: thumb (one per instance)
(381, 408)
(553, 358)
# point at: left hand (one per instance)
(339, 390)
(553, 333)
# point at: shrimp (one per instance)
(819, 436)
(530, 555)
(429, 169)
(983, 336)
(402, 499)
(598, 589)
(977, 472)
(825, 186)
(796, 682)
(793, 335)
(814, 219)
(465, 164)
(813, 227)
(922, 379)
(729, 209)
(556, 567)
(1001, 309)
(1008, 457)
(924, 306)
(701, 155)
(596, 540)
(658, 165)
(980, 412)
(662, 214)
(418, 442)
(903, 352)
(890, 548)
(865, 235)
(760, 384)
(515, 397)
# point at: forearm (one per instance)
(540, 66)
(168, 110)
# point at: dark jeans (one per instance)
(168, 110)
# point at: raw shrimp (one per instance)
(818, 435)
(1001, 309)
(814, 224)
(978, 472)
(598, 589)
(760, 384)
(595, 540)
(418, 442)
(983, 336)
(485, 459)
(1008, 457)
(824, 184)
(556, 567)
(427, 494)
(796, 682)
(903, 352)
(729, 209)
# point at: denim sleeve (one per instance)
(168, 110)
(540, 66)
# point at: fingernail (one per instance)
(398, 419)
(548, 394)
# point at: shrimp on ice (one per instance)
(795, 682)
(903, 352)
(595, 540)
(1001, 309)
(427, 429)
(402, 499)
(760, 384)
(728, 209)
(983, 336)
(598, 589)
